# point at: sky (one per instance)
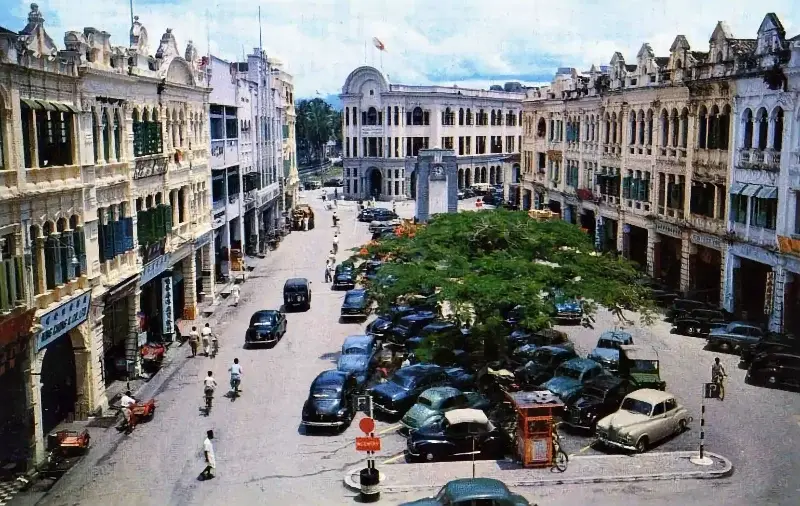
(471, 43)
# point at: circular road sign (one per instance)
(367, 425)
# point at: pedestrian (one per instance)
(332, 258)
(208, 453)
(305, 223)
(194, 340)
(328, 271)
(394, 206)
(335, 243)
(205, 334)
(235, 292)
(335, 193)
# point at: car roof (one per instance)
(557, 350)
(440, 393)
(357, 340)
(616, 335)
(476, 488)
(419, 314)
(650, 395)
(604, 381)
(266, 312)
(580, 363)
(356, 291)
(331, 377)
(296, 281)
(638, 352)
(418, 369)
(466, 415)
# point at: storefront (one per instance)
(606, 234)
(117, 312)
(634, 244)
(667, 253)
(15, 420)
(705, 268)
(156, 287)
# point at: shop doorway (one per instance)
(749, 289)
(704, 274)
(13, 416)
(58, 381)
(667, 266)
(588, 222)
(116, 328)
(608, 236)
(554, 206)
(375, 179)
(637, 246)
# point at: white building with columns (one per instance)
(384, 124)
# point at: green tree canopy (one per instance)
(317, 123)
(484, 263)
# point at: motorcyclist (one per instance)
(236, 375)
(209, 384)
(127, 402)
(206, 336)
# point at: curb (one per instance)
(726, 471)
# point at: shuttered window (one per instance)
(128, 233)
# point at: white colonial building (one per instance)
(385, 124)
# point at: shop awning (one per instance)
(751, 190)
(45, 105)
(31, 104)
(767, 192)
(737, 188)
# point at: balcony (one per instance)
(759, 160)
(637, 205)
(224, 153)
(706, 224)
(60, 177)
(232, 209)
(673, 213)
(51, 297)
(111, 173)
(756, 235)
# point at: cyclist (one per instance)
(718, 375)
(236, 375)
(209, 384)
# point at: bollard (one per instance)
(369, 485)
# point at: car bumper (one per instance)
(263, 340)
(384, 409)
(569, 317)
(616, 444)
(339, 284)
(309, 423)
(354, 315)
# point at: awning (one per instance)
(44, 105)
(751, 190)
(736, 188)
(31, 104)
(64, 107)
(767, 192)
(47, 106)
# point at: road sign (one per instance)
(366, 425)
(368, 444)
(711, 391)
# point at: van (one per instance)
(297, 294)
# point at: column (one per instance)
(175, 215)
(207, 267)
(83, 373)
(257, 228)
(653, 253)
(732, 263)
(98, 402)
(114, 156)
(132, 344)
(624, 240)
(34, 395)
(189, 271)
(687, 250)
(41, 278)
(778, 292)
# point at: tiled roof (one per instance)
(742, 47)
(662, 61)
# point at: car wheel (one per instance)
(772, 381)
(430, 457)
(642, 444)
(246, 346)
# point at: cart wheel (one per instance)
(561, 461)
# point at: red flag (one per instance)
(377, 43)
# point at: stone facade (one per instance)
(291, 178)
(384, 124)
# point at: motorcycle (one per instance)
(152, 356)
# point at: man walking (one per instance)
(328, 271)
(335, 243)
(206, 336)
(211, 461)
(194, 340)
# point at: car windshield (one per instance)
(405, 381)
(294, 288)
(645, 365)
(354, 298)
(425, 401)
(608, 343)
(355, 350)
(568, 372)
(636, 406)
(326, 393)
(263, 319)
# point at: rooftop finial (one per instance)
(35, 16)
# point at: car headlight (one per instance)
(341, 412)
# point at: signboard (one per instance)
(152, 167)
(668, 229)
(366, 425)
(167, 307)
(789, 245)
(203, 240)
(769, 292)
(154, 268)
(62, 319)
(368, 444)
(372, 131)
(711, 391)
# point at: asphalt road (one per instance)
(263, 457)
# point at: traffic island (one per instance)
(581, 470)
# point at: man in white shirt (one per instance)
(208, 453)
(206, 335)
(335, 243)
(127, 402)
(235, 293)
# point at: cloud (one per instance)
(442, 41)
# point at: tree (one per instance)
(316, 124)
(482, 264)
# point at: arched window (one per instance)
(138, 133)
(674, 127)
(372, 116)
(96, 135)
(541, 128)
(641, 127)
(79, 247)
(664, 128)
(724, 127)
(461, 116)
(117, 136)
(684, 127)
(608, 129)
(36, 263)
(747, 118)
(416, 116)
(614, 133)
(713, 128)
(702, 127)
(650, 127)
(632, 129)
(763, 128)
(106, 130)
(719, 57)
(777, 135)
(469, 116)
(493, 119)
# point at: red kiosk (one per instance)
(535, 419)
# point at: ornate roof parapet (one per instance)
(141, 61)
(8, 46)
(33, 40)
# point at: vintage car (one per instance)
(774, 370)
(370, 269)
(681, 307)
(644, 418)
(770, 343)
(410, 325)
(640, 366)
(344, 277)
(699, 322)
(523, 342)
(735, 335)
(356, 304)
(469, 491)
(359, 357)
(376, 225)
(297, 294)
(383, 324)
(571, 376)
(401, 391)
(330, 401)
(542, 365)
(600, 397)
(366, 214)
(565, 309)
(434, 402)
(447, 332)
(606, 353)
(460, 433)
(266, 327)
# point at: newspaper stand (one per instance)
(535, 418)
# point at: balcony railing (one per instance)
(8, 180)
(706, 224)
(675, 213)
(756, 235)
(54, 176)
(759, 160)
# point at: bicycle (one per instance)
(560, 458)
(209, 395)
(720, 383)
(214, 346)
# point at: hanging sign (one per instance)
(154, 268)
(62, 319)
(167, 306)
(769, 292)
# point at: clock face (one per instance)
(438, 170)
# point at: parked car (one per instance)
(344, 277)
(266, 327)
(355, 305)
(410, 325)
(641, 367)
(542, 365)
(681, 307)
(383, 214)
(447, 331)
(571, 376)
(459, 433)
(370, 269)
(468, 193)
(699, 322)
(330, 400)
(566, 310)
(469, 491)
(606, 353)
(769, 343)
(735, 335)
(775, 369)
(644, 418)
(367, 214)
(359, 357)
(383, 324)
(600, 397)
(460, 195)
(376, 225)
(436, 401)
(401, 391)
(297, 293)
(546, 337)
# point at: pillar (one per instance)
(207, 257)
(624, 240)
(84, 387)
(98, 402)
(687, 250)
(132, 344)
(653, 253)
(257, 228)
(189, 271)
(778, 292)
(34, 394)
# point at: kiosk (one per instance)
(536, 412)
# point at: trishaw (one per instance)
(538, 443)
(152, 356)
(64, 448)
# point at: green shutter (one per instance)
(143, 228)
(167, 219)
(157, 223)
(19, 266)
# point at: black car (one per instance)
(366, 214)
(397, 395)
(770, 343)
(266, 327)
(297, 293)
(370, 268)
(344, 276)
(410, 325)
(382, 214)
(774, 370)
(383, 324)
(356, 304)
(543, 364)
(330, 401)
(521, 343)
(447, 332)
(359, 356)
(600, 397)
(459, 433)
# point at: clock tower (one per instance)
(436, 174)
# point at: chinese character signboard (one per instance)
(769, 292)
(62, 319)
(167, 306)
(152, 167)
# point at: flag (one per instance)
(377, 43)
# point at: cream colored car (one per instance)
(644, 418)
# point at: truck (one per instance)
(640, 366)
